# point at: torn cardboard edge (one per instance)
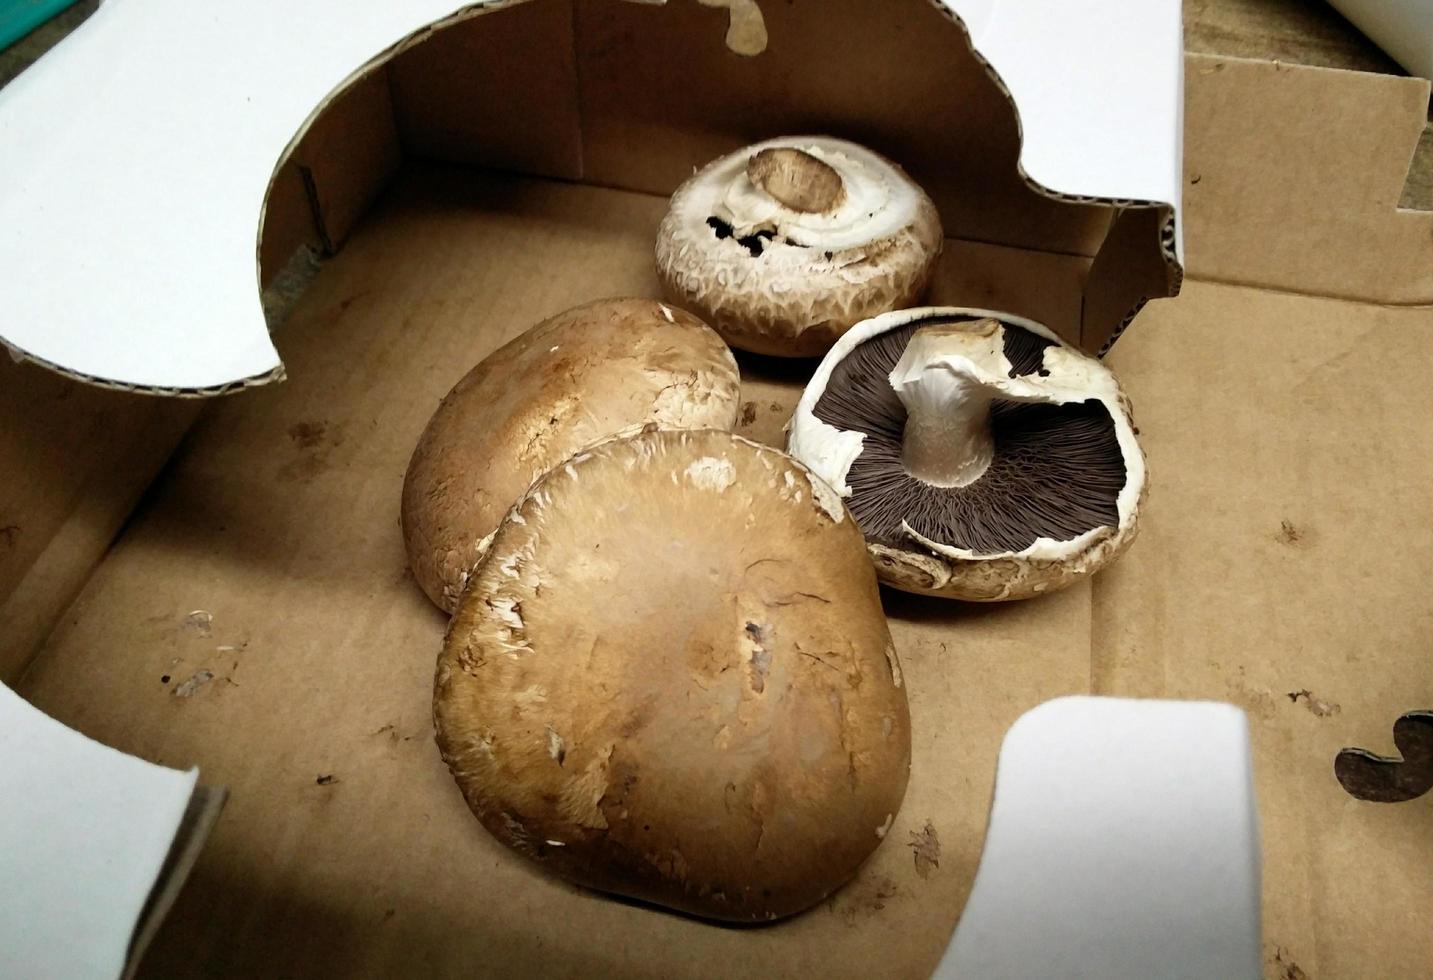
(25, 347)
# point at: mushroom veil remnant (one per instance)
(672, 679)
(983, 458)
(785, 245)
(584, 376)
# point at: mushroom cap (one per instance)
(577, 379)
(672, 679)
(783, 280)
(1066, 432)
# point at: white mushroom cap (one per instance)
(784, 245)
(933, 402)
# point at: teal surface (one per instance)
(20, 17)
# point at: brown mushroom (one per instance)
(672, 679)
(579, 378)
(785, 245)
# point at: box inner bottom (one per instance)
(1278, 568)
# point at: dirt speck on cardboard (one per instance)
(925, 849)
(1317, 706)
(864, 897)
(199, 621)
(307, 435)
(194, 684)
(1292, 535)
(1284, 967)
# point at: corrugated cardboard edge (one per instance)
(194, 829)
(227, 388)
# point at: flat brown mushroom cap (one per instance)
(579, 378)
(672, 679)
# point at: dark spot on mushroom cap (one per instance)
(1057, 471)
(756, 244)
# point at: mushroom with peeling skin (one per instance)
(983, 458)
(580, 378)
(672, 679)
(783, 246)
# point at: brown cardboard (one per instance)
(457, 96)
(348, 154)
(74, 460)
(1279, 569)
(288, 222)
(1297, 187)
(1279, 564)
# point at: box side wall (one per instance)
(637, 96)
(74, 461)
(1293, 177)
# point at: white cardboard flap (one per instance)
(84, 830)
(135, 158)
(1123, 843)
(1099, 86)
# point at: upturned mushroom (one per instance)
(586, 375)
(983, 458)
(672, 679)
(785, 245)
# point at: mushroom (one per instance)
(672, 679)
(983, 458)
(579, 378)
(783, 246)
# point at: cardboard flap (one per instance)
(1294, 176)
(87, 831)
(1123, 842)
(130, 205)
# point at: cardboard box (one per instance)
(476, 178)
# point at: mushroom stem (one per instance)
(941, 379)
(796, 179)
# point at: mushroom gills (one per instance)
(1054, 470)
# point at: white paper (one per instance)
(135, 157)
(1402, 28)
(84, 830)
(1123, 843)
(1099, 86)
